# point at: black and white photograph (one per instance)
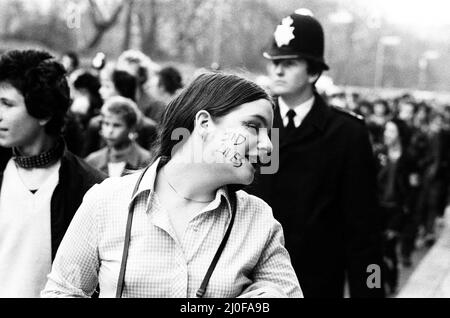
(225, 149)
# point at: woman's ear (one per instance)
(203, 122)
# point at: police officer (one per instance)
(324, 190)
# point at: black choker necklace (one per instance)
(42, 160)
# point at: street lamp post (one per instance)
(217, 43)
(423, 66)
(345, 20)
(382, 43)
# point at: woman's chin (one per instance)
(247, 175)
(249, 181)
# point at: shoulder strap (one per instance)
(201, 291)
(126, 244)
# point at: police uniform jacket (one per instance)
(324, 195)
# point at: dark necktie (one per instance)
(290, 126)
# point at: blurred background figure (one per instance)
(394, 192)
(380, 112)
(365, 109)
(166, 83)
(406, 112)
(337, 98)
(86, 101)
(85, 104)
(117, 82)
(418, 148)
(435, 179)
(121, 155)
(376, 122)
(143, 68)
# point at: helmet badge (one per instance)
(284, 32)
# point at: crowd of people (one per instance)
(411, 144)
(116, 108)
(359, 181)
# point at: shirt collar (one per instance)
(301, 110)
(129, 154)
(148, 184)
(214, 204)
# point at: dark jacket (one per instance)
(324, 195)
(75, 178)
(394, 189)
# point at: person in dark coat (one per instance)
(434, 179)
(324, 192)
(41, 182)
(394, 193)
(419, 150)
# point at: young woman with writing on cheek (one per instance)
(193, 233)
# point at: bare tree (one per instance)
(128, 24)
(102, 23)
(148, 17)
(11, 17)
(194, 20)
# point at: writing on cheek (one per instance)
(238, 139)
(228, 148)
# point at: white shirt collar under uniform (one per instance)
(300, 111)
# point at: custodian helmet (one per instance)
(299, 35)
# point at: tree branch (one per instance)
(101, 23)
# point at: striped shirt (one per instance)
(160, 265)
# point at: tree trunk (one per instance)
(128, 22)
(149, 32)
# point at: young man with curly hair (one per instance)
(42, 183)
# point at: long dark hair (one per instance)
(216, 93)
